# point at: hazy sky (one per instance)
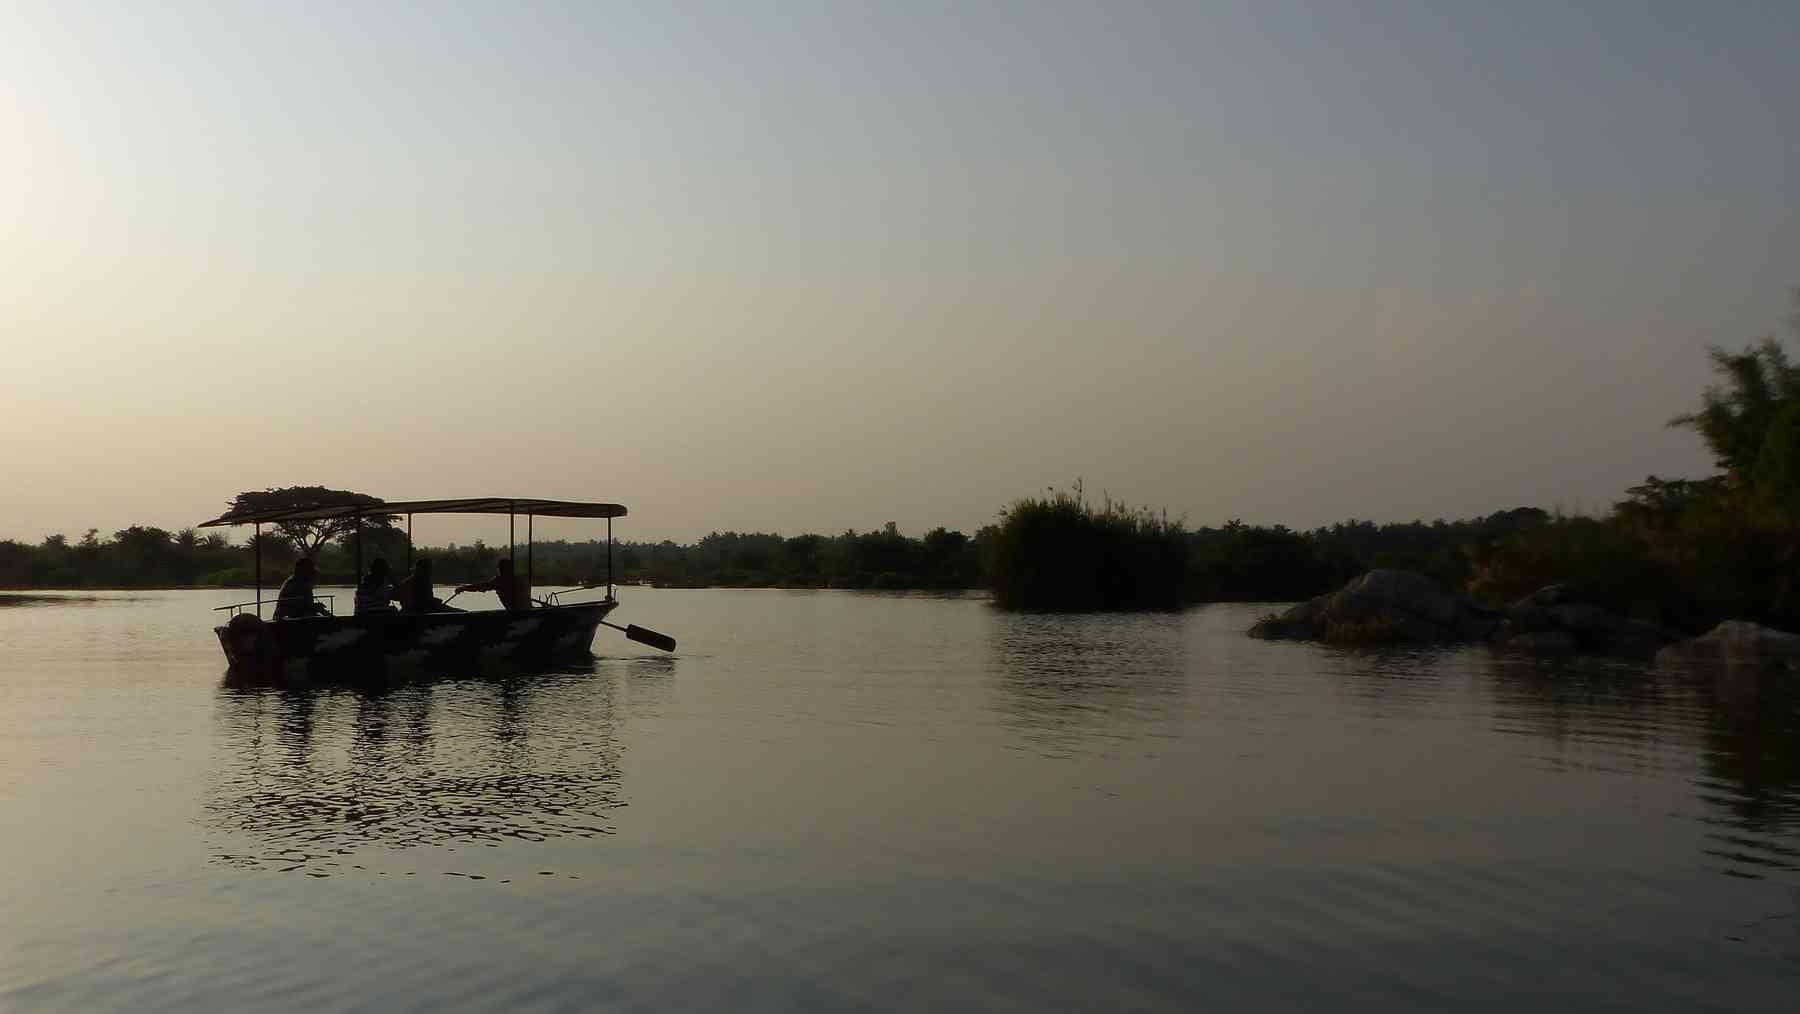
(810, 266)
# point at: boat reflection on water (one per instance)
(305, 777)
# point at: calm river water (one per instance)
(844, 801)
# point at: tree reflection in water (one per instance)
(305, 776)
(1751, 756)
(1068, 680)
(1593, 714)
(1609, 715)
(1744, 725)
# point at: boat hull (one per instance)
(327, 648)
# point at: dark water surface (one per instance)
(842, 801)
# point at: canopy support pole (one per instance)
(530, 543)
(609, 585)
(256, 550)
(409, 542)
(510, 555)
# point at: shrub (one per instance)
(1602, 560)
(1059, 552)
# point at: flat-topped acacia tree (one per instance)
(309, 536)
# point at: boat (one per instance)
(330, 647)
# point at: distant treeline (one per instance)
(1683, 552)
(1233, 562)
(1061, 552)
(147, 557)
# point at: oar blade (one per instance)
(649, 637)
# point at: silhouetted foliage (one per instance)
(150, 557)
(1436, 549)
(1777, 476)
(1597, 557)
(882, 559)
(1736, 416)
(137, 556)
(1249, 563)
(1058, 552)
(1690, 552)
(1235, 562)
(309, 536)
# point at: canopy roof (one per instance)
(474, 505)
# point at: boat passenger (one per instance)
(414, 593)
(376, 589)
(513, 592)
(296, 598)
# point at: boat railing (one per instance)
(554, 599)
(238, 607)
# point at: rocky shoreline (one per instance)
(1402, 607)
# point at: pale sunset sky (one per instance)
(803, 267)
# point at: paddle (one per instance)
(643, 636)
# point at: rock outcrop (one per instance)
(1736, 643)
(1397, 606)
(1384, 606)
(1554, 620)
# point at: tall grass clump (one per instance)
(1061, 553)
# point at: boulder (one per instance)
(1401, 607)
(1394, 606)
(1737, 643)
(1397, 591)
(1558, 610)
(1281, 628)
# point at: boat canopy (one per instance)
(474, 505)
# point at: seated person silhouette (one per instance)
(376, 589)
(512, 590)
(414, 593)
(296, 597)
